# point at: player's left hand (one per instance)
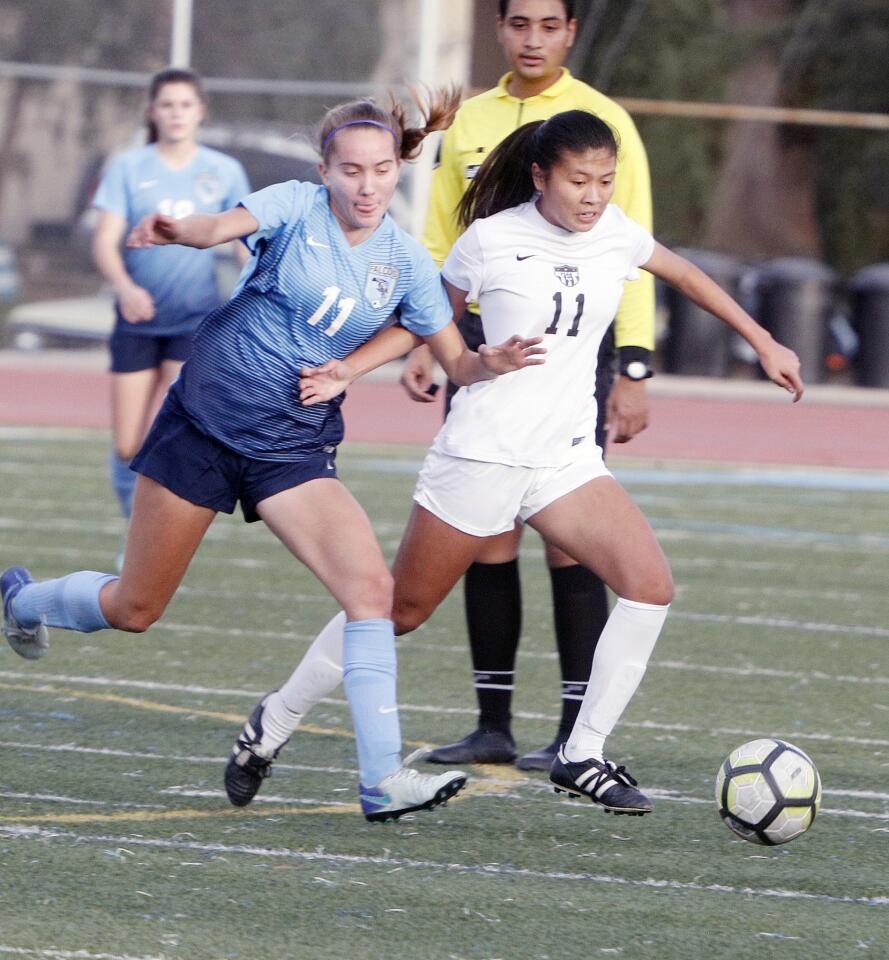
(781, 365)
(320, 384)
(626, 412)
(513, 354)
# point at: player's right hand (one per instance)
(320, 384)
(136, 304)
(416, 376)
(154, 230)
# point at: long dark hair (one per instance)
(504, 180)
(160, 80)
(437, 113)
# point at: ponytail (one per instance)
(437, 114)
(504, 179)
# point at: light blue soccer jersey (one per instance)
(309, 297)
(182, 280)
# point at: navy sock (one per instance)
(580, 611)
(493, 598)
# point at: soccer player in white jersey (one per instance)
(161, 296)
(546, 254)
(329, 269)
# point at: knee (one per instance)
(372, 599)
(407, 616)
(659, 590)
(655, 588)
(135, 617)
(126, 451)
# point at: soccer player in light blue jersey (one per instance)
(161, 295)
(329, 270)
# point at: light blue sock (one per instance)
(369, 671)
(70, 602)
(124, 482)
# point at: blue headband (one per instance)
(355, 123)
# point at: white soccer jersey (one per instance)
(533, 278)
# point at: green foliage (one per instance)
(841, 65)
(682, 50)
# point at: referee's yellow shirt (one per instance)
(483, 121)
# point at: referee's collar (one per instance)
(557, 89)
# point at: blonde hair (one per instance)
(437, 114)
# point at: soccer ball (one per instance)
(768, 791)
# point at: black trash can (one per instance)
(697, 343)
(869, 290)
(796, 297)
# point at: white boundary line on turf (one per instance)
(136, 755)
(485, 870)
(451, 711)
(56, 953)
(510, 785)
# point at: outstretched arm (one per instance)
(319, 384)
(198, 230)
(780, 363)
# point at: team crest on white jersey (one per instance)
(208, 187)
(381, 280)
(569, 276)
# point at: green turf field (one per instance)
(117, 841)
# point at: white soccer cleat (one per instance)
(407, 790)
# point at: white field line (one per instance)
(510, 786)
(174, 758)
(57, 953)
(79, 802)
(495, 870)
(442, 710)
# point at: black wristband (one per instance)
(635, 362)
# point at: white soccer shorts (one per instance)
(485, 499)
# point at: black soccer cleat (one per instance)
(480, 746)
(602, 781)
(541, 759)
(249, 764)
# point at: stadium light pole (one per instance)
(427, 66)
(180, 39)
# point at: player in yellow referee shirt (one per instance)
(536, 36)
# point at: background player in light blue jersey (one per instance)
(161, 295)
(330, 268)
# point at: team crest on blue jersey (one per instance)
(568, 275)
(208, 187)
(381, 280)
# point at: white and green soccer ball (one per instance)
(768, 791)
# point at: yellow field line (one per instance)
(234, 718)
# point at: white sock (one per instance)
(619, 664)
(319, 673)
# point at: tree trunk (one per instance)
(764, 205)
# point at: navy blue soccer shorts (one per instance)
(132, 351)
(200, 469)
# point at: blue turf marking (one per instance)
(794, 478)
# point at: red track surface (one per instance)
(683, 426)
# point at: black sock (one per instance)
(580, 609)
(493, 597)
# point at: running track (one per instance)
(690, 419)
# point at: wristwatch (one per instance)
(633, 363)
(637, 370)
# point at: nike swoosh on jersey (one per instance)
(312, 242)
(387, 709)
(526, 257)
(145, 184)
